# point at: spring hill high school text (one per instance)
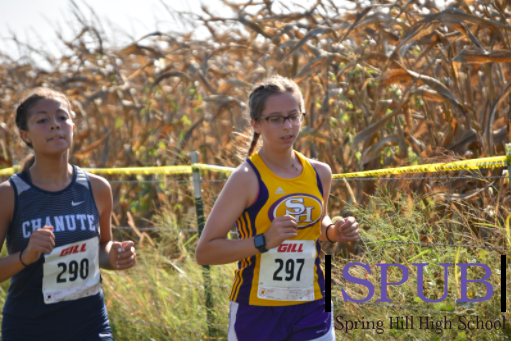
(464, 322)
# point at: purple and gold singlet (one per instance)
(289, 274)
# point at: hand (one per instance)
(281, 228)
(122, 255)
(41, 241)
(345, 230)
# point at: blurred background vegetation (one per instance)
(386, 84)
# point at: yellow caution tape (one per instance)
(489, 162)
(496, 161)
(142, 170)
(508, 153)
(7, 171)
(214, 168)
(159, 170)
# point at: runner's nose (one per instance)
(55, 125)
(287, 123)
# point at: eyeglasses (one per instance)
(278, 121)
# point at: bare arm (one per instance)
(238, 193)
(214, 247)
(112, 255)
(41, 240)
(10, 265)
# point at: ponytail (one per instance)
(253, 144)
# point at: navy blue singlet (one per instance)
(74, 216)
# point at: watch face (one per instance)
(259, 241)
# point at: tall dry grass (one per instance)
(389, 84)
(385, 84)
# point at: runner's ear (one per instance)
(255, 125)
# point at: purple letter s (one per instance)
(366, 283)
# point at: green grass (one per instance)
(390, 218)
(162, 298)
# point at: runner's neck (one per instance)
(51, 174)
(290, 162)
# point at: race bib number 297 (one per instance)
(287, 272)
(72, 271)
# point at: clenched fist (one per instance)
(281, 228)
(122, 255)
(345, 230)
(41, 241)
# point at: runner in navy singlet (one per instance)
(55, 219)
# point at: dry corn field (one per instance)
(385, 84)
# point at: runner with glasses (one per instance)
(278, 199)
(56, 220)
(278, 121)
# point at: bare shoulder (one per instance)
(6, 187)
(7, 200)
(6, 192)
(243, 175)
(99, 184)
(102, 193)
(244, 172)
(324, 169)
(243, 181)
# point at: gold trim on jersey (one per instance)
(303, 199)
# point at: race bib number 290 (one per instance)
(287, 272)
(71, 271)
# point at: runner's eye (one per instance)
(294, 118)
(275, 119)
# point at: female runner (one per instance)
(56, 219)
(278, 200)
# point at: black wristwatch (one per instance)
(260, 243)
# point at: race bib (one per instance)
(287, 272)
(71, 272)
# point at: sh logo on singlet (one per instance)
(306, 209)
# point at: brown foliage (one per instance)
(380, 83)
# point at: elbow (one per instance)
(200, 257)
